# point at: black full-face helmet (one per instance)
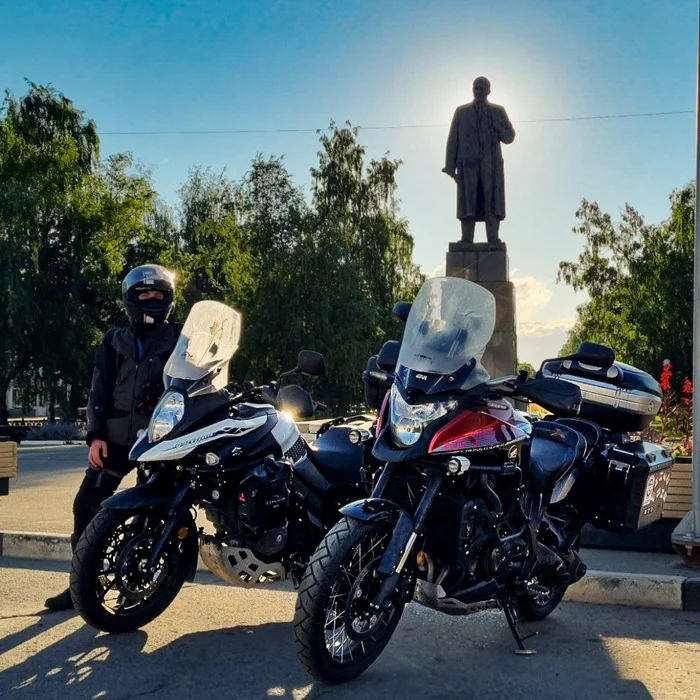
(149, 278)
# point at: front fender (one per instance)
(147, 497)
(373, 509)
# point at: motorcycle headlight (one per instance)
(168, 414)
(407, 421)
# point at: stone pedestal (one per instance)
(487, 265)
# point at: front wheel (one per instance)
(111, 584)
(338, 634)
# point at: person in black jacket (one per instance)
(127, 383)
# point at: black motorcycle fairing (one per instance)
(427, 383)
(336, 457)
(373, 509)
(157, 494)
(306, 470)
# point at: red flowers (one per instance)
(687, 393)
(666, 376)
(675, 419)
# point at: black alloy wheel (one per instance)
(111, 584)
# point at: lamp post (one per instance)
(686, 537)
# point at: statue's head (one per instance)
(481, 89)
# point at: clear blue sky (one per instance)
(234, 65)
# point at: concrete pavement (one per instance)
(41, 497)
(216, 641)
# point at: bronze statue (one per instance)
(474, 160)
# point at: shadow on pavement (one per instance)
(431, 656)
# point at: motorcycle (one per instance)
(477, 507)
(240, 459)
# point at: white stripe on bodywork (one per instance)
(285, 432)
(169, 450)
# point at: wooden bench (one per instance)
(8, 464)
(679, 489)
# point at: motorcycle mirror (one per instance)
(311, 363)
(401, 310)
(389, 355)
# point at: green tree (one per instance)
(66, 221)
(327, 273)
(211, 254)
(639, 279)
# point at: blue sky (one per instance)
(269, 65)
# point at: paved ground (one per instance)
(41, 497)
(217, 641)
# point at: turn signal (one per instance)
(182, 533)
(421, 561)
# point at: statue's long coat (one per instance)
(473, 160)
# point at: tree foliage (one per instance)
(320, 274)
(65, 222)
(639, 279)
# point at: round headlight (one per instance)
(168, 414)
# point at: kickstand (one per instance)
(510, 618)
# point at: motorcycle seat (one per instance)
(336, 457)
(554, 450)
(592, 432)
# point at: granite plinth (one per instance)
(487, 265)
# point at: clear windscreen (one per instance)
(208, 340)
(450, 323)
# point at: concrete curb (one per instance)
(597, 587)
(638, 590)
(49, 443)
(43, 546)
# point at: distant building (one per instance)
(16, 410)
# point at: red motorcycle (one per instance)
(477, 507)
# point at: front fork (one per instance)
(406, 532)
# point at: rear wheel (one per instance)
(111, 584)
(338, 634)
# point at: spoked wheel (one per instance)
(542, 596)
(112, 585)
(338, 633)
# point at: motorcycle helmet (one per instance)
(149, 278)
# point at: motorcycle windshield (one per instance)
(450, 323)
(208, 341)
